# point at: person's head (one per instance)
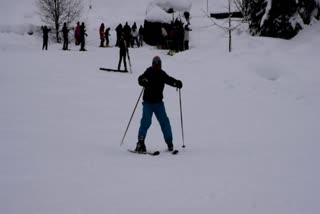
(156, 63)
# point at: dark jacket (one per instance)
(65, 32)
(154, 82)
(45, 31)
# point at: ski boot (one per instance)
(141, 147)
(170, 145)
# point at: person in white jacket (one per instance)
(186, 37)
(134, 36)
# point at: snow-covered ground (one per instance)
(251, 120)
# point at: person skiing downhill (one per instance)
(153, 80)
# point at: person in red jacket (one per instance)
(77, 34)
(102, 35)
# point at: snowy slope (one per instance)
(251, 122)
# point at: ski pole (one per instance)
(183, 146)
(131, 117)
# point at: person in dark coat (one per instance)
(45, 31)
(65, 32)
(127, 33)
(106, 35)
(82, 36)
(141, 35)
(153, 80)
(102, 35)
(119, 31)
(123, 45)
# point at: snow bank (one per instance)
(157, 10)
(176, 5)
(20, 29)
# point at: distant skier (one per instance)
(77, 34)
(123, 52)
(141, 35)
(106, 35)
(65, 32)
(154, 80)
(102, 36)
(45, 31)
(82, 36)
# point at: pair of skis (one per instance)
(153, 153)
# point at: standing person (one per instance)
(102, 36)
(45, 31)
(164, 38)
(186, 37)
(134, 36)
(82, 36)
(77, 34)
(65, 32)
(153, 80)
(119, 31)
(106, 35)
(141, 35)
(127, 33)
(123, 52)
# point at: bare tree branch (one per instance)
(55, 12)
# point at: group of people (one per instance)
(132, 35)
(104, 35)
(175, 36)
(79, 35)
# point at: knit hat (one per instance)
(156, 60)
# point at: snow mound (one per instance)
(20, 29)
(269, 72)
(157, 10)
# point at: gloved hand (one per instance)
(144, 82)
(178, 84)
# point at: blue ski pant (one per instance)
(159, 110)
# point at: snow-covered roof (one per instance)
(157, 10)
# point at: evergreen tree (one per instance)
(281, 19)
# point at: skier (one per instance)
(106, 35)
(82, 36)
(141, 35)
(102, 36)
(65, 32)
(77, 34)
(45, 31)
(123, 52)
(154, 80)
